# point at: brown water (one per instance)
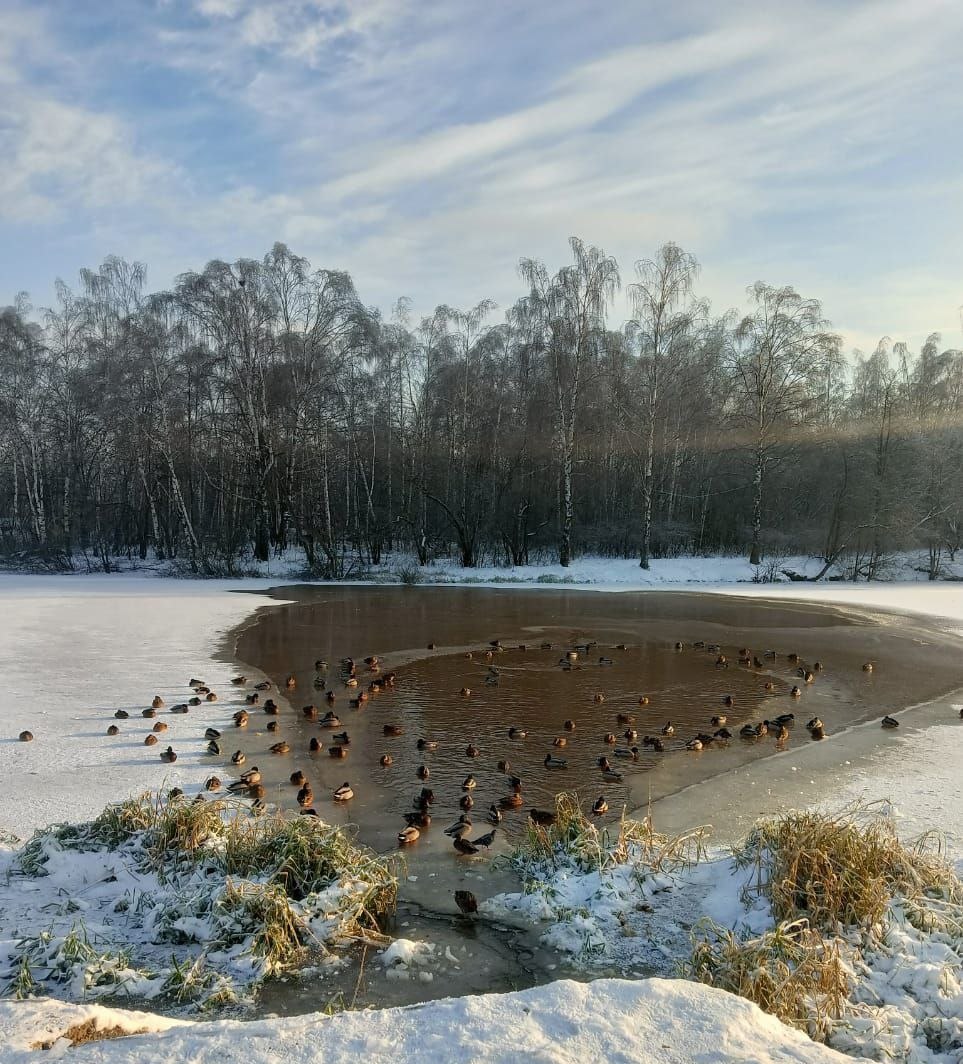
(536, 694)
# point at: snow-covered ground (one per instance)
(617, 1021)
(75, 648)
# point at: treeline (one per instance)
(261, 406)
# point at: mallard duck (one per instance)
(699, 644)
(251, 776)
(657, 745)
(541, 818)
(310, 811)
(148, 713)
(423, 772)
(194, 701)
(195, 682)
(792, 658)
(213, 747)
(315, 745)
(569, 725)
(263, 685)
(484, 840)
(305, 795)
(722, 662)
(769, 685)
(757, 663)
(298, 778)
(344, 793)
(494, 815)
(330, 698)
(386, 760)
(150, 740)
(609, 738)
(890, 722)
(157, 702)
(280, 748)
(121, 714)
(601, 806)
(330, 720)
(516, 733)
(817, 666)
(559, 741)
(786, 718)
(466, 901)
(643, 700)
(602, 762)
(504, 766)
(464, 847)
(719, 720)
(694, 744)
(168, 755)
(27, 737)
(727, 700)
(337, 751)
(465, 692)
(511, 801)
(291, 682)
(408, 835)
(867, 666)
(352, 681)
(427, 797)
(668, 729)
(421, 818)
(554, 762)
(427, 744)
(342, 737)
(212, 783)
(469, 783)
(160, 726)
(462, 826)
(781, 733)
(795, 692)
(239, 681)
(241, 718)
(632, 753)
(471, 750)
(679, 646)
(762, 728)
(238, 758)
(723, 733)
(625, 718)
(466, 801)
(392, 730)
(748, 731)
(180, 708)
(611, 776)
(273, 725)
(113, 730)
(814, 723)
(210, 697)
(817, 733)
(308, 712)
(630, 735)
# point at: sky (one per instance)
(426, 147)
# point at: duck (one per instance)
(723, 734)
(121, 714)
(386, 760)
(113, 730)
(315, 745)
(27, 737)
(793, 658)
(762, 728)
(298, 778)
(273, 725)
(814, 723)
(786, 718)
(817, 733)
(569, 725)
(748, 731)
(421, 818)
(609, 739)
(727, 700)
(392, 730)
(541, 818)
(630, 735)
(251, 776)
(461, 827)
(427, 796)
(632, 753)
(867, 666)
(308, 712)
(464, 847)
(668, 729)
(485, 840)
(611, 776)
(625, 718)
(337, 751)
(890, 722)
(718, 721)
(195, 701)
(465, 692)
(332, 720)
(694, 744)
(212, 783)
(601, 806)
(598, 698)
(504, 766)
(306, 796)
(606, 661)
(160, 726)
(180, 708)
(679, 645)
(168, 755)
(330, 698)
(263, 685)
(238, 758)
(408, 835)
(817, 666)
(554, 762)
(150, 712)
(466, 801)
(423, 772)
(757, 663)
(469, 783)
(471, 750)
(310, 811)
(560, 741)
(494, 815)
(291, 682)
(193, 682)
(657, 745)
(511, 801)
(722, 662)
(280, 748)
(603, 762)
(211, 733)
(427, 744)
(795, 692)
(466, 901)
(213, 747)
(241, 718)
(782, 733)
(516, 733)
(210, 697)
(157, 702)
(342, 737)
(643, 700)
(344, 793)
(150, 740)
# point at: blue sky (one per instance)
(425, 147)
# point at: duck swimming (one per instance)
(554, 762)
(601, 806)
(494, 814)
(427, 744)
(668, 729)
(386, 760)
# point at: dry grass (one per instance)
(88, 1031)
(278, 933)
(575, 837)
(791, 972)
(843, 869)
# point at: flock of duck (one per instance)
(365, 680)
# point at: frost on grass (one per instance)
(826, 921)
(196, 902)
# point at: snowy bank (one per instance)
(664, 1021)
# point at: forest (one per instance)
(261, 407)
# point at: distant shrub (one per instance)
(409, 574)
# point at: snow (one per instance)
(622, 1022)
(75, 648)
